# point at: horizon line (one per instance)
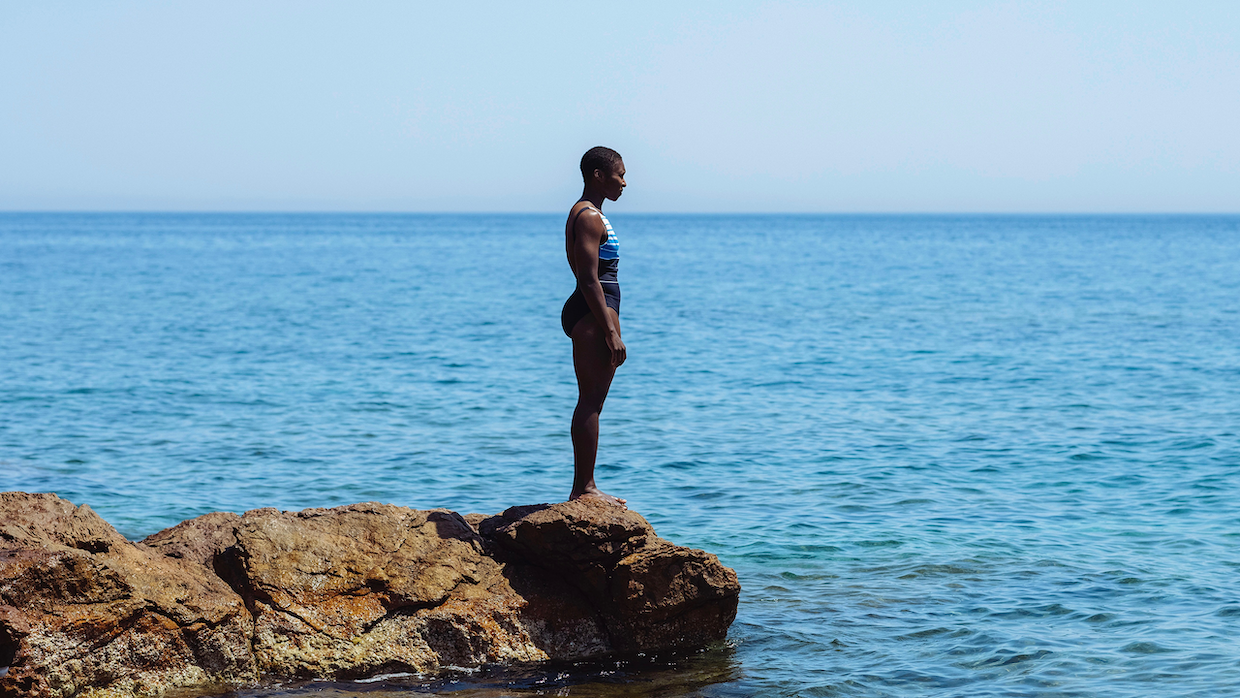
(380, 212)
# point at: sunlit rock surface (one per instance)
(341, 593)
(84, 612)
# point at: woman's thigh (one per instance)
(592, 358)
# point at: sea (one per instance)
(947, 455)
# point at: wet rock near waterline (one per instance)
(340, 593)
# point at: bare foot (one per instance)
(599, 495)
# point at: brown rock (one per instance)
(198, 540)
(668, 596)
(650, 593)
(337, 593)
(372, 587)
(84, 612)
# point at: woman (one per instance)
(591, 316)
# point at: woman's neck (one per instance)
(594, 198)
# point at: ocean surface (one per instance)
(947, 455)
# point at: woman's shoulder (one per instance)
(583, 211)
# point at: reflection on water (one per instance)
(711, 672)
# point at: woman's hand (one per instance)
(616, 346)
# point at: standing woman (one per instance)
(591, 316)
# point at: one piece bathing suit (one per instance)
(576, 307)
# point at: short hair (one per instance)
(598, 158)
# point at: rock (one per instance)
(198, 540)
(337, 593)
(84, 612)
(650, 593)
(372, 588)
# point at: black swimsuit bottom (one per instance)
(576, 307)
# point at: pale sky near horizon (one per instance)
(716, 106)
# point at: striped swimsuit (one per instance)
(576, 307)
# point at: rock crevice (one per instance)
(339, 593)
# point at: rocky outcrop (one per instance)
(84, 612)
(337, 593)
(647, 592)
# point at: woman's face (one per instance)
(613, 181)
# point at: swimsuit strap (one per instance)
(580, 211)
(609, 248)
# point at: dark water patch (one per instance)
(1145, 648)
(1047, 611)
(1004, 658)
(938, 570)
(926, 633)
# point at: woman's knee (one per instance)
(591, 402)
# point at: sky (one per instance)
(720, 106)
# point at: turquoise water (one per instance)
(947, 456)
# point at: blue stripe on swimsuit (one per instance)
(610, 249)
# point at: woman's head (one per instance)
(602, 168)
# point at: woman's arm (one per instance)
(590, 234)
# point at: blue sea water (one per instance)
(947, 455)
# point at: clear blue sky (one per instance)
(716, 106)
